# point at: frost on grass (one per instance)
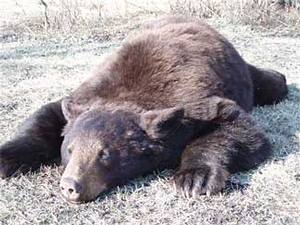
(34, 73)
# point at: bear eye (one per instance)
(104, 155)
(69, 151)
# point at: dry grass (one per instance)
(69, 17)
(95, 17)
(255, 12)
(35, 72)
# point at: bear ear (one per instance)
(160, 123)
(70, 109)
(222, 110)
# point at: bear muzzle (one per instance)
(71, 190)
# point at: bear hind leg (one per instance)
(269, 86)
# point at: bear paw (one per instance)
(200, 181)
(9, 164)
(9, 168)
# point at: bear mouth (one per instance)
(75, 202)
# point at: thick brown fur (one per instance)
(174, 93)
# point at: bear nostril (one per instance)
(70, 189)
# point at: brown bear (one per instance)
(175, 93)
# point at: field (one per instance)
(37, 68)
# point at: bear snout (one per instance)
(71, 190)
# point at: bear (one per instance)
(175, 94)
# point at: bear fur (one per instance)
(175, 93)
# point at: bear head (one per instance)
(106, 146)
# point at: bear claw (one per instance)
(200, 181)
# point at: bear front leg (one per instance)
(237, 144)
(37, 141)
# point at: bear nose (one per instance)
(71, 189)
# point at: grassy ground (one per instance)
(36, 69)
